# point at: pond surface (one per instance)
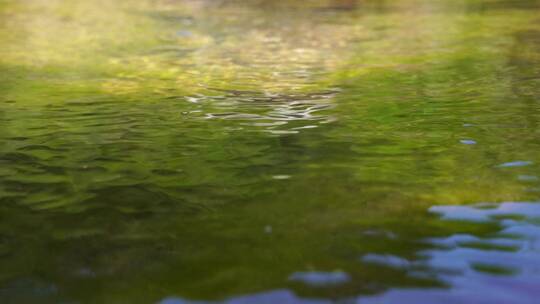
(198, 151)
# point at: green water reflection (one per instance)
(207, 150)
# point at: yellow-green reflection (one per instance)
(210, 149)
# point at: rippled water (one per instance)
(198, 151)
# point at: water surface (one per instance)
(199, 151)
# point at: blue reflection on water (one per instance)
(281, 296)
(319, 278)
(503, 267)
